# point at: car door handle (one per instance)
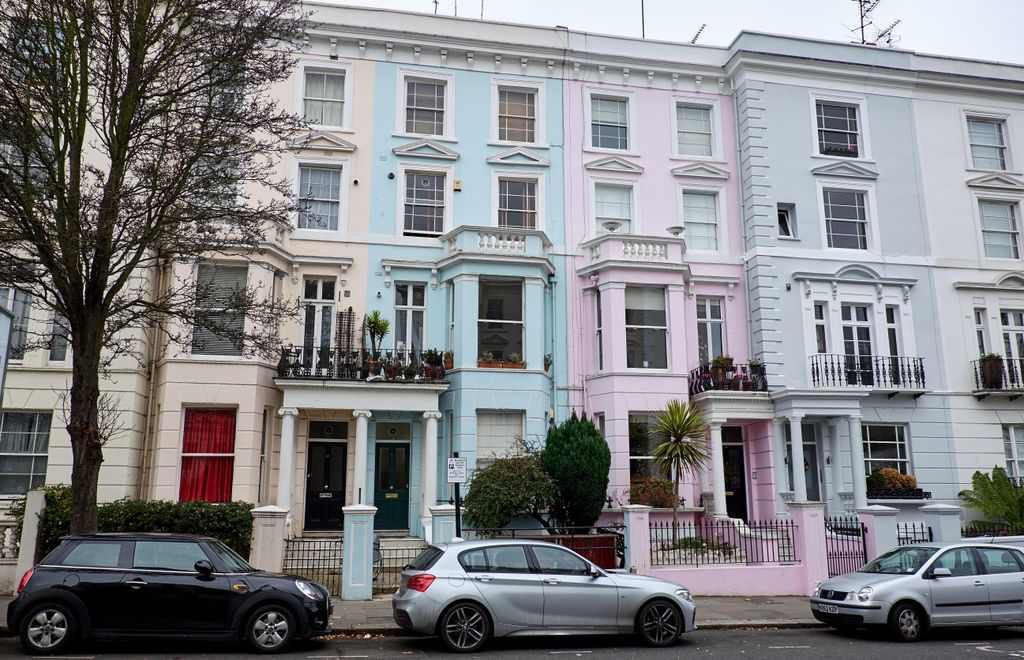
(484, 578)
(979, 583)
(136, 583)
(550, 580)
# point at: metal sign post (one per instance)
(457, 476)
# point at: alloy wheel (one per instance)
(47, 628)
(909, 623)
(465, 628)
(270, 629)
(660, 624)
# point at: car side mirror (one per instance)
(204, 568)
(941, 572)
(593, 571)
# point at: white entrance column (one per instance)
(796, 441)
(717, 470)
(837, 463)
(429, 465)
(779, 451)
(860, 487)
(359, 468)
(286, 466)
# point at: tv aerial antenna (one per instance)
(869, 34)
(699, 31)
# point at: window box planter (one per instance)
(898, 494)
(849, 152)
(488, 364)
(513, 365)
(992, 372)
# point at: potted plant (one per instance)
(991, 367)
(890, 483)
(514, 361)
(720, 365)
(487, 361)
(449, 360)
(547, 362)
(390, 367)
(432, 361)
(376, 327)
(410, 371)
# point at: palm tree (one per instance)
(998, 498)
(683, 449)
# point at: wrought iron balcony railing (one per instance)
(326, 363)
(736, 378)
(881, 372)
(996, 372)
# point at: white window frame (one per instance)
(406, 74)
(980, 316)
(54, 322)
(864, 152)
(181, 444)
(33, 454)
(631, 118)
(1012, 430)
(484, 461)
(540, 133)
(648, 421)
(823, 323)
(519, 175)
(987, 115)
(666, 328)
(716, 127)
(632, 184)
(409, 308)
(322, 304)
(522, 313)
(790, 210)
(329, 67)
(707, 322)
(449, 196)
(997, 198)
(904, 441)
(7, 296)
(871, 232)
(194, 284)
(343, 203)
(721, 204)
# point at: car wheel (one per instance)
(464, 628)
(907, 622)
(659, 623)
(270, 629)
(48, 628)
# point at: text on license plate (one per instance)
(831, 609)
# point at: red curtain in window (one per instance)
(208, 478)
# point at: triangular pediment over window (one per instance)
(701, 170)
(614, 164)
(998, 182)
(519, 156)
(323, 141)
(850, 170)
(426, 149)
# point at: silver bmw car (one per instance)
(467, 592)
(913, 588)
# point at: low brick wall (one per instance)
(737, 580)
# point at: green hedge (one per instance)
(231, 522)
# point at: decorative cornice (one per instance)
(1009, 282)
(702, 170)
(519, 156)
(614, 164)
(322, 141)
(387, 264)
(426, 148)
(1004, 182)
(845, 169)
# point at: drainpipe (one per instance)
(147, 432)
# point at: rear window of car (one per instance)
(93, 554)
(425, 559)
(499, 559)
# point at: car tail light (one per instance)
(420, 582)
(24, 580)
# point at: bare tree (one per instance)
(128, 129)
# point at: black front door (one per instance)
(325, 485)
(735, 472)
(391, 490)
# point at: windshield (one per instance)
(900, 561)
(232, 561)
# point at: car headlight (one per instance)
(684, 594)
(308, 590)
(864, 595)
(817, 590)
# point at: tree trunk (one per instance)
(83, 426)
(675, 507)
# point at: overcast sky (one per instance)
(980, 29)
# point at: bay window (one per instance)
(500, 321)
(207, 455)
(646, 328)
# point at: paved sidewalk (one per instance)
(374, 617)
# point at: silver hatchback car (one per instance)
(913, 588)
(467, 592)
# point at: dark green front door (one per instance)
(391, 490)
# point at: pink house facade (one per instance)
(655, 281)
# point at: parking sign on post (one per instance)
(456, 470)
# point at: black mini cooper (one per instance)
(114, 586)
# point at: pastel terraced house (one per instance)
(816, 243)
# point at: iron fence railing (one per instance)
(997, 372)
(388, 565)
(709, 541)
(329, 363)
(844, 544)
(913, 532)
(605, 545)
(736, 377)
(986, 528)
(876, 371)
(318, 560)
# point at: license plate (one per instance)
(831, 609)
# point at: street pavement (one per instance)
(756, 644)
(374, 617)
